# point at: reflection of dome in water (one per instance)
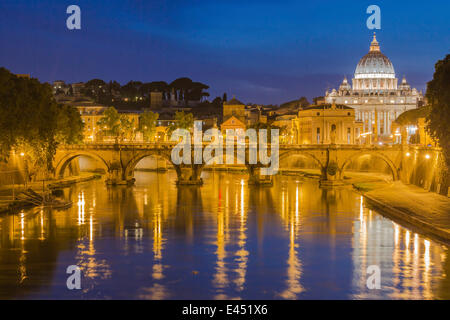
(374, 64)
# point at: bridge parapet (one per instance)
(120, 159)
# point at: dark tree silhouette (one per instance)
(438, 96)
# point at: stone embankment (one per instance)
(427, 212)
(7, 204)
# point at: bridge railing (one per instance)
(171, 144)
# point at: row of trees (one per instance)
(296, 104)
(137, 93)
(32, 123)
(121, 126)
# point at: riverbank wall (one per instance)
(425, 211)
(426, 170)
(7, 206)
(19, 170)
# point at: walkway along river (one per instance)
(224, 240)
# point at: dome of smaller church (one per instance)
(345, 85)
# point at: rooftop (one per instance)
(327, 106)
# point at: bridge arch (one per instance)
(285, 155)
(376, 154)
(132, 163)
(66, 159)
(214, 164)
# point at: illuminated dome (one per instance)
(374, 64)
(374, 71)
(375, 93)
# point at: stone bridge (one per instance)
(120, 160)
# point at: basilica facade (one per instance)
(375, 95)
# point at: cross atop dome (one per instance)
(374, 46)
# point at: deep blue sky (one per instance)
(261, 51)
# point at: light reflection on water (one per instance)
(223, 240)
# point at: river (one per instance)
(224, 240)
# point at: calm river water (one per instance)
(223, 240)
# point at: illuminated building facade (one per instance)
(375, 94)
(234, 108)
(91, 115)
(326, 124)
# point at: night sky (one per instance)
(261, 51)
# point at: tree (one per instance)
(113, 88)
(127, 129)
(294, 105)
(317, 99)
(69, 125)
(438, 96)
(181, 86)
(94, 88)
(147, 124)
(303, 102)
(217, 102)
(117, 125)
(195, 92)
(187, 90)
(110, 123)
(131, 90)
(160, 86)
(46, 125)
(182, 121)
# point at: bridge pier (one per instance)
(331, 182)
(116, 176)
(258, 179)
(331, 174)
(188, 175)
